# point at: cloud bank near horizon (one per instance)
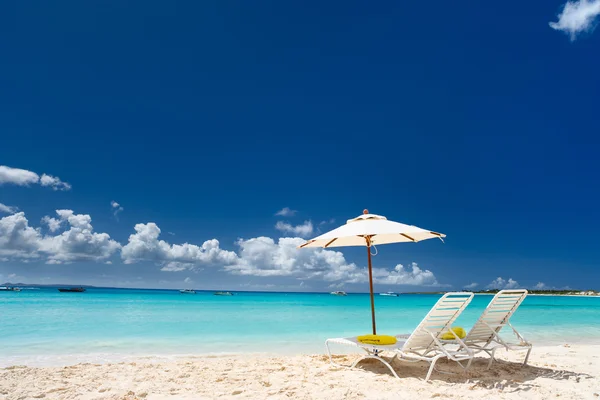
(69, 237)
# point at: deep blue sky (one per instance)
(474, 119)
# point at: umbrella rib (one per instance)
(331, 241)
(367, 239)
(408, 237)
(306, 244)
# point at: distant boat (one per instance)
(339, 293)
(73, 289)
(187, 291)
(223, 294)
(9, 289)
(391, 294)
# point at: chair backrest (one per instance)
(496, 315)
(438, 320)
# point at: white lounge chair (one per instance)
(423, 344)
(485, 334)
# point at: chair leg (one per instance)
(376, 357)
(380, 360)
(432, 367)
(465, 368)
(527, 356)
(329, 354)
(491, 358)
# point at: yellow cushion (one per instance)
(377, 339)
(460, 332)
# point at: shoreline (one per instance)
(566, 370)
(41, 360)
(86, 355)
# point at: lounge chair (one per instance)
(423, 344)
(485, 334)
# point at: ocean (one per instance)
(46, 327)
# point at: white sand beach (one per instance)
(565, 372)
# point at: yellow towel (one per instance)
(460, 332)
(377, 339)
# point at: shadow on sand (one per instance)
(504, 375)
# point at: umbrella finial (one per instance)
(365, 211)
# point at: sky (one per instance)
(196, 144)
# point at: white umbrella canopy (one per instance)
(375, 228)
(369, 230)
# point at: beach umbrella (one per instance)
(369, 230)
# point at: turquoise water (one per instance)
(44, 325)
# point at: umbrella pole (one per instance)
(371, 289)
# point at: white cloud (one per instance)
(175, 266)
(413, 276)
(188, 280)
(17, 176)
(286, 212)
(577, 17)
(329, 221)
(403, 276)
(14, 278)
(54, 182)
(18, 240)
(8, 209)
(541, 286)
(471, 285)
(23, 177)
(53, 223)
(261, 286)
(304, 230)
(511, 284)
(79, 242)
(144, 245)
(116, 209)
(262, 256)
(500, 283)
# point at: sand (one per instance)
(565, 372)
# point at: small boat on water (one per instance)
(391, 294)
(339, 293)
(187, 291)
(72, 290)
(9, 289)
(223, 294)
